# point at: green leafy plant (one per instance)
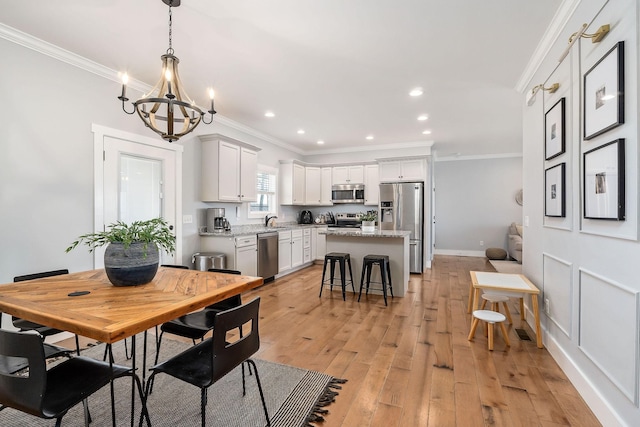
(150, 231)
(370, 216)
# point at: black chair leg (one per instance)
(343, 280)
(369, 268)
(364, 267)
(383, 278)
(389, 276)
(264, 405)
(351, 275)
(332, 273)
(324, 270)
(203, 406)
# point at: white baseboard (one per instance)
(591, 395)
(458, 252)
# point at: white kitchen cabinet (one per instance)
(292, 183)
(290, 249)
(312, 185)
(248, 175)
(350, 174)
(284, 250)
(246, 259)
(325, 186)
(402, 170)
(321, 243)
(228, 171)
(306, 245)
(241, 251)
(297, 252)
(371, 185)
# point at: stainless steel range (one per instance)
(348, 220)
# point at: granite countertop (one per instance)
(249, 229)
(356, 232)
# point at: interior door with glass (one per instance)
(139, 184)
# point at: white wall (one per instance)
(475, 201)
(585, 268)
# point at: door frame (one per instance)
(99, 134)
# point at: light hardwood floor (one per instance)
(410, 364)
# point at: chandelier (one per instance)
(167, 109)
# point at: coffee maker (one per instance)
(216, 222)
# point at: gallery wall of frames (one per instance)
(581, 165)
(587, 148)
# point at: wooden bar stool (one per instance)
(385, 273)
(343, 259)
(491, 317)
(495, 300)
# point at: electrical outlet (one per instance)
(547, 307)
(187, 219)
(481, 242)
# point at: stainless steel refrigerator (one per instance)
(402, 208)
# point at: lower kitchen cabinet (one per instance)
(241, 251)
(306, 245)
(247, 255)
(284, 251)
(297, 254)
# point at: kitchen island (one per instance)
(395, 244)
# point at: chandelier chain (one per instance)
(170, 50)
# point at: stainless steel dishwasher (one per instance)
(268, 255)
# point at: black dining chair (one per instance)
(196, 325)
(207, 362)
(26, 325)
(45, 331)
(51, 393)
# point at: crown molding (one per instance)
(385, 147)
(553, 31)
(455, 158)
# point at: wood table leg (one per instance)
(536, 314)
(522, 315)
(477, 298)
(470, 305)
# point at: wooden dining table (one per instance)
(87, 304)
(514, 284)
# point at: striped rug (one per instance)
(294, 397)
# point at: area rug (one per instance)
(509, 267)
(294, 397)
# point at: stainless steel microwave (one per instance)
(347, 193)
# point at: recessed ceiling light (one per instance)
(416, 92)
(423, 117)
(369, 137)
(320, 142)
(269, 114)
(300, 131)
(426, 132)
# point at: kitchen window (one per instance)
(266, 199)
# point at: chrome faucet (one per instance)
(268, 218)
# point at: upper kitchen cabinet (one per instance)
(325, 186)
(292, 183)
(312, 187)
(402, 170)
(371, 184)
(229, 170)
(353, 174)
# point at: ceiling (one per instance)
(339, 69)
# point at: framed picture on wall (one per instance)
(604, 93)
(554, 191)
(554, 134)
(603, 182)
